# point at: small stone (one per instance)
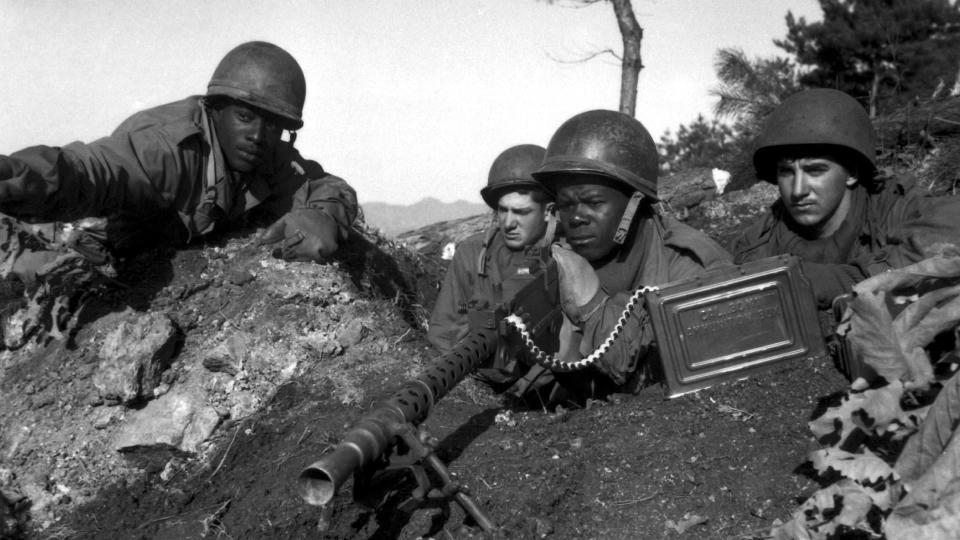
(6, 477)
(41, 400)
(103, 421)
(352, 334)
(239, 276)
(220, 364)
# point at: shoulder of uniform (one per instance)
(179, 120)
(474, 240)
(683, 237)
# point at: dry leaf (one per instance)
(865, 467)
(937, 436)
(914, 522)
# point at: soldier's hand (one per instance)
(578, 281)
(303, 234)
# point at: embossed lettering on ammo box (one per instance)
(733, 322)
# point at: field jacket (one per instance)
(483, 273)
(162, 160)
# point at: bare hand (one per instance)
(578, 281)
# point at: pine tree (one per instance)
(884, 52)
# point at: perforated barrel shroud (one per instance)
(734, 322)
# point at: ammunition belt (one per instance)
(553, 362)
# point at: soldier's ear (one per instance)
(550, 211)
(851, 181)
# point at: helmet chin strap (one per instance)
(293, 137)
(624, 227)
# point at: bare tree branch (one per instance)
(586, 58)
(630, 61)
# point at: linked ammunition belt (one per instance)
(553, 361)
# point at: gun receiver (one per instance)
(371, 439)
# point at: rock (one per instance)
(239, 276)
(221, 364)
(105, 418)
(6, 477)
(177, 421)
(352, 334)
(243, 404)
(687, 188)
(134, 355)
(228, 357)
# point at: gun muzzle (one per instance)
(320, 481)
(364, 443)
(371, 438)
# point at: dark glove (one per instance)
(578, 281)
(304, 234)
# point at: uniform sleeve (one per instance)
(136, 173)
(447, 325)
(598, 319)
(917, 228)
(632, 350)
(751, 244)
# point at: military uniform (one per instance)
(483, 273)
(665, 250)
(163, 162)
(892, 228)
(603, 166)
(889, 222)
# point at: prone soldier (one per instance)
(177, 172)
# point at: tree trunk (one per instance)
(874, 89)
(632, 35)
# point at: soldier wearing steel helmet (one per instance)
(198, 165)
(487, 267)
(171, 174)
(603, 167)
(835, 211)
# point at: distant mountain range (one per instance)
(394, 219)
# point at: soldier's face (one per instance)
(590, 210)
(247, 135)
(522, 220)
(815, 193)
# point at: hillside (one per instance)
(392, 219)
(194, 391)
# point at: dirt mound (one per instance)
(272, 361)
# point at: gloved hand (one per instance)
(304, 234)
(578, 281)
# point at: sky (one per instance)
(406, 99)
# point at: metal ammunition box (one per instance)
(732, 322)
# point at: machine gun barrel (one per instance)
(367, 441)
(373, 435)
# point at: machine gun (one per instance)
(390, 436)
(722, 325)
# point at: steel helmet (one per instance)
(819, 116)
(512, 170)
(263, 75)
(607, 143)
